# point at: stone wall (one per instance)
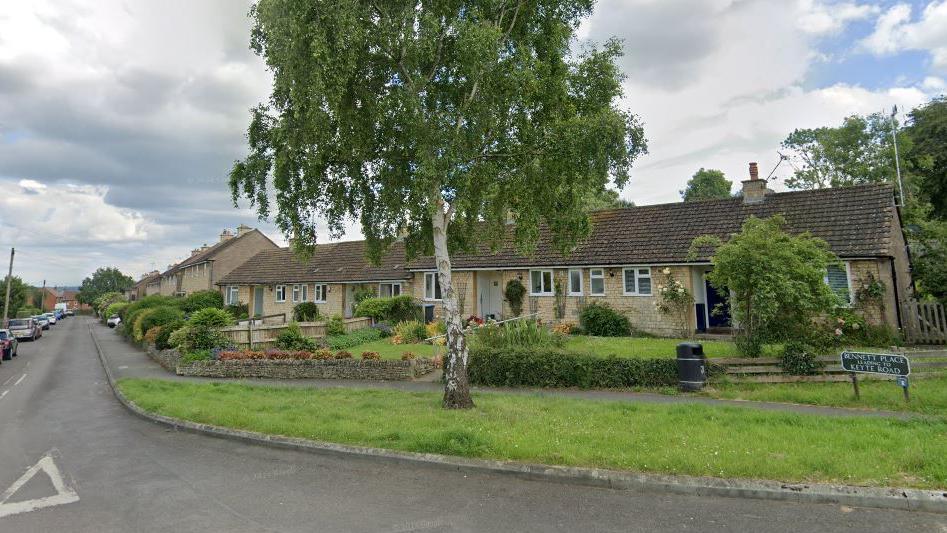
(168, 359)
(309, 369)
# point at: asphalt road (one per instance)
(107, 470)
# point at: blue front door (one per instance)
(717, 307)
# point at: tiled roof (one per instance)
(331, 262)
(855, 221)
(210, 252)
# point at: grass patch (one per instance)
(676, 439)
(928, 395)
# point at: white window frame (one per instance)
(550, 290)
(297, 293)
(392, 284)
(233, 295)
(848, 280)
(638, 276)
(319, 291)
(280, 293)
(593, 277)
(572, 290)
(430, 296)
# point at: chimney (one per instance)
(195, 251)
(754, 189)
(243, 228)
(204, 247)
(226, 234)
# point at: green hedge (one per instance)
(351, 340)
(551, 367)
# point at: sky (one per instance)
(120, 120)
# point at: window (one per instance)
(387, 290)
(575, 282)
(597, 282)
(637, 281)
(540, 282)
(432, 286)
(298, 293)
(319, 293)
(281, 293)
(837, 278)
(233, 295)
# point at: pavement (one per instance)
(79, 461)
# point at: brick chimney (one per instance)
(243, 228)
(226, 234)
(195, 251)
(754, 189)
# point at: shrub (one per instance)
(563, 328)
(800, 359)
(137, 322)
(600, 320)
(212, 318)
(151, 334)
(362, 293)
(162, 340)
(239, 311)
(370, 356)
(292, 338)
(395, 309)
(384, 328)
(350, 340)
(436, 328)
(160, 316)
(323, 354)
(177, 337)
(196, 355)
(409, 332)
(202, 300)
(335, 325)
(408, 356)
(552, 367)
(197, 337)
(27, 311)
(342, 354)
(513, 293)
(113, 309)
(306, 312)
(515, 334)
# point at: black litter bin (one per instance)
(691, 366)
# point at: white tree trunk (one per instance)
(456, 387)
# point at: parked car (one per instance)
(43, 321)
(60, 314)
(51, 317)
(25, 328)
(113, 321)
(70, 312)
(8, 344)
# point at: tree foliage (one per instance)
(707, 184)
(436, 120)
(776, 280)
(859, 151)
(18, 294)
(103, 280)
(927, 154)
(605, 199)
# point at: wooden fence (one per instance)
(767, 369)
(925, 323)
(264, 336)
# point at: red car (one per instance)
(8, 345)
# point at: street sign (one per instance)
(876, 363)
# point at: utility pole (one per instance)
(42, 299)
(897, 160)
(6, 302)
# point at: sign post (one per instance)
(877, 363)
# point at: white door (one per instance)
(489, 295)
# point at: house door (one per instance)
(349, 305)
(257, 301)
(718, 310)
(489, 299)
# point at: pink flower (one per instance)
(838, 332)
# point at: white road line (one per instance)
(20, 380)
(8, 380)
(4, 393)
(64, 493)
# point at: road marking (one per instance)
(64, 493)
(20, 380)
(8, 380)
(4, 393)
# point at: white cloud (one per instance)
(895, 32)
(819, 18)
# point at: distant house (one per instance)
(275, 281)
(209, 264)
(140, 289)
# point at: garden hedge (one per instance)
(553, 367)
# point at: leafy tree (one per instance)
(436, 120)
(928, 241)
(605, 199)
(101, 304)
(103, 280)
(18, 294)
(707, 184)
(776, 280)
(857, 152)
(927, 153)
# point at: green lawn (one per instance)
(675, 439)
(928, 395)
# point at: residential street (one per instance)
(126, 474)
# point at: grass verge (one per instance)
(674, 439)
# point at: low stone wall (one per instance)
(168, 359)
(309, 369)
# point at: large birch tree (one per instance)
(434, 120)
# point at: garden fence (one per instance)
(257, 336)
(925, 323)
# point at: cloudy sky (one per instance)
(119, 120)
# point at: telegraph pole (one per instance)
(6, 302)
(897, 160)
(42, 300)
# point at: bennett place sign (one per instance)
(876, 363)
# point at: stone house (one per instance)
(274, 281)
(209, 264)
(633, 250)
(140, 289)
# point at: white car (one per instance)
(113, 321)
(51, 317)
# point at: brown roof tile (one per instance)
(210, 252)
